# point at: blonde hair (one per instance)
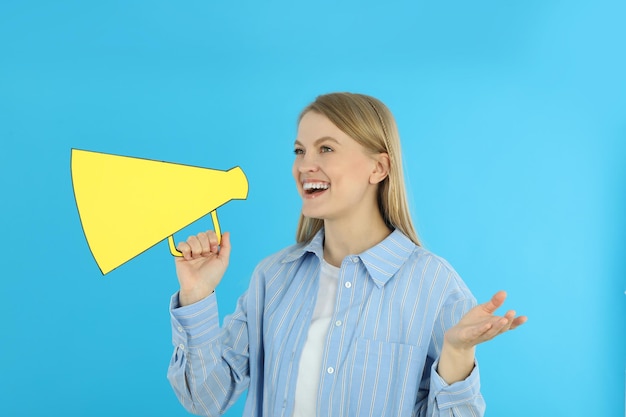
(368, 121)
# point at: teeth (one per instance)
(315, 186)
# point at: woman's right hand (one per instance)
(202, 265)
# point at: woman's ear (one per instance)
(381, 168)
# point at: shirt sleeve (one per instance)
(209, 368)
(462, 398)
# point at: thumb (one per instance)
(496, 301)
(225, 246)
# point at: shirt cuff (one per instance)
(195, 324)
(456, 394)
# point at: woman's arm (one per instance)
(477, 326)
(454, 381)
(209, 368)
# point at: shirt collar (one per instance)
(381, 261)
(316, 246)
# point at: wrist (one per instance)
(455, 363)
(457, 349)
(188, 297)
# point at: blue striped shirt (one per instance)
(394, 303)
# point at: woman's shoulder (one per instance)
(438, 271)
(421, 255)
(282, 256)
(399, 247)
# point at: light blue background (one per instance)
(513, 120)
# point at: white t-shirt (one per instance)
(311, 360)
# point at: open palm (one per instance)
(480, 324)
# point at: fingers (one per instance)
(518, 322)
(203, 244)
(490, 329)
(504, 324)
(200, 244)
(493, 326)
(508, 321)
(480, 324)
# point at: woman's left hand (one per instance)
(480, 324)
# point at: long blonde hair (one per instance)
(368, 121)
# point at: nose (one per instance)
(306, 163)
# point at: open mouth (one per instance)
(312, 188)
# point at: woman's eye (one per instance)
(326, 149)
(298, 151)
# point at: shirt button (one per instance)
(338, 323)
(355, 259)
(181, 346)
(348, 284)
(331, 370)
(180, 329)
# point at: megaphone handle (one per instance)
(173, 250)
(216, 227)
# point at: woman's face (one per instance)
(335, 175)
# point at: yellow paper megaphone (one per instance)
(127, 205)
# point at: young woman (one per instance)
(356, 318)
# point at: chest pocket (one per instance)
(384, 378)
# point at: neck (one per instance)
(347, 237)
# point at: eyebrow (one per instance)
(318, 141)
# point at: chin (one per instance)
(313, 214)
